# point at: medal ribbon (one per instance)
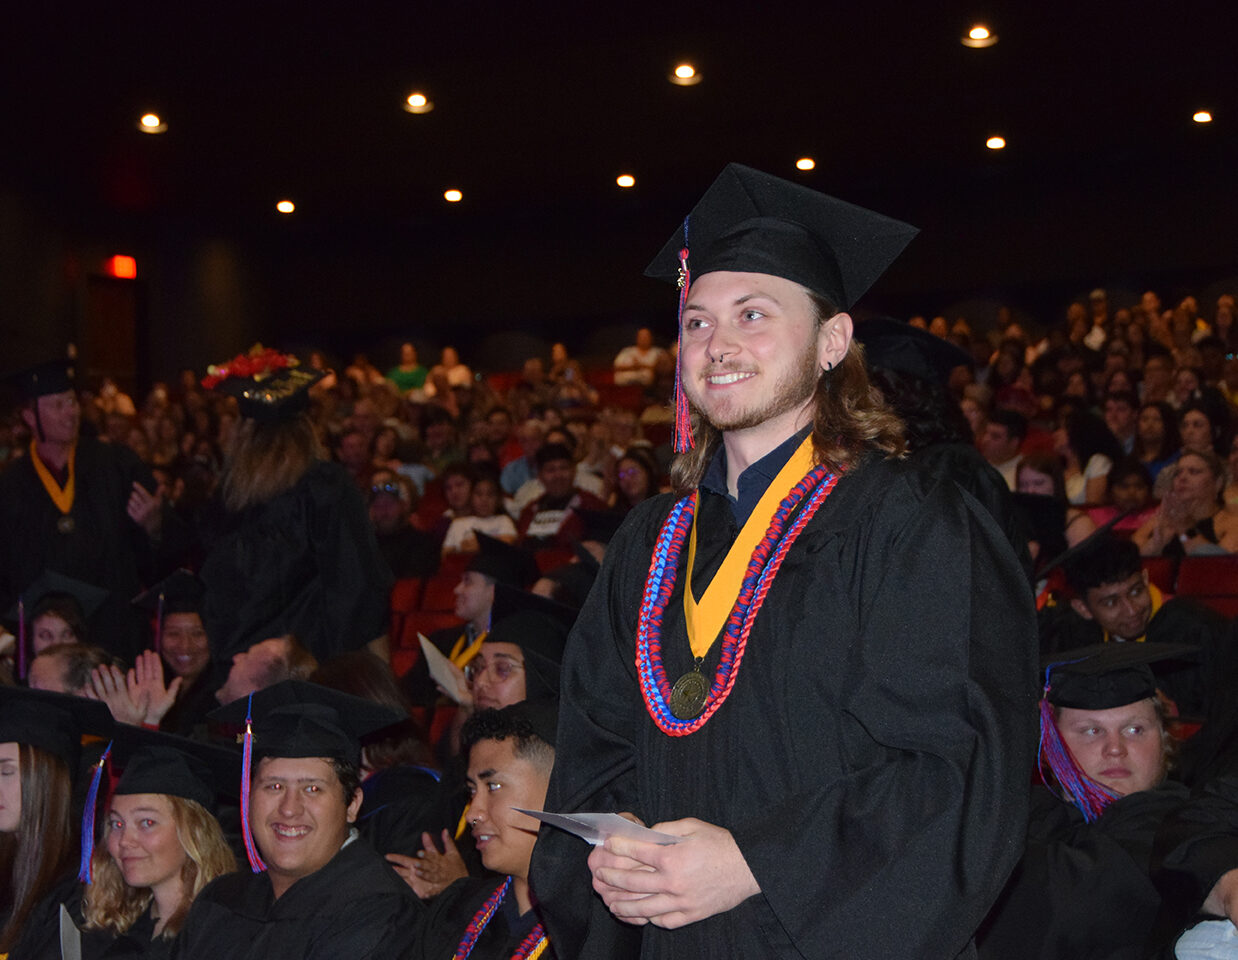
(62, 498)
(763, 567)
(706, 618)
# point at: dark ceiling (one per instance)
(540, 106)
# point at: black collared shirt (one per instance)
(752, 482)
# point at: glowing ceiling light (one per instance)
(1202, 116)
(979, 36)
(685, 75)
(417, 102)
(285, 206)
(805, 163)
(453, 196)
(625, 180)
(151, 123)
(996, 143)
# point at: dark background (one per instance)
(1106, 180)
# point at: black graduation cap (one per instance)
(179, 592)
(502, 562)
(539, 627)
(298, 719)
(1107, 675)
(898, 346)
(155, 762)
(50, 583)
(54, 722)
(278, 392)
(51, 376)
(752, 222)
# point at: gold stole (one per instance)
(706, 618)
(63, 499)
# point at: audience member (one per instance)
(637, 364)
(1000, 442)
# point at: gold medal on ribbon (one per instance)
(689, 694)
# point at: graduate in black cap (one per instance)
(313, 889)
(40, 750)
(494, 917)
(835, 717)
(161, 844)
(182, 643)
(87, 509)
(911, 367)
(1086, 884)
(290, 548)
(51, 611)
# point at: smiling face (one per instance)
(298, 816)
(184, 643)
(1122, 608)
(59, 416)
(1120, 747)
(142, 840)
(500, 781)
(753, 351)
(10, 787)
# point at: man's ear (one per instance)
(27, 416)
(1080, 608)
(833, 340)
(355, 807)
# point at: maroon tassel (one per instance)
(684, 441)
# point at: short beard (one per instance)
(793, 391)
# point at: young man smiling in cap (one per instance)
(314, 890)
(834, 719)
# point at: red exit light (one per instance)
(126, 268)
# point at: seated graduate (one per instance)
(511, 753)
(1084, 887)
(315, 891)
(40, 749)
(162, 843)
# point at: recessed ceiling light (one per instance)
(996, 143)
(979, 36)
(805, 163)
(453, 196)
(625, 180)
(285, 206)
(151, 123)
(685, 75)
(417, 102)
(1202, 116)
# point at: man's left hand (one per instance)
(146, 509)
(671, 886)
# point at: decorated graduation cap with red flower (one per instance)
(269, 386)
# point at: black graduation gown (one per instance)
(137, 943)
(40, 936)
(1082, 890)
(872, 759)
(356, 907)
(400, 804)
(304, 563)
(104, 548)
(453, 910)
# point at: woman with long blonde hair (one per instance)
(161, 845)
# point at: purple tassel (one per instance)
(1074, 786)
(256, 863)
(85, 871)
(159, 625)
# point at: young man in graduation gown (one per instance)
(83, 508)
(315, 890)
(842, 735)
(493, 917)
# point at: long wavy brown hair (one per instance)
(43, 848)
(267, 459)
(111, 904)
(850, 418)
